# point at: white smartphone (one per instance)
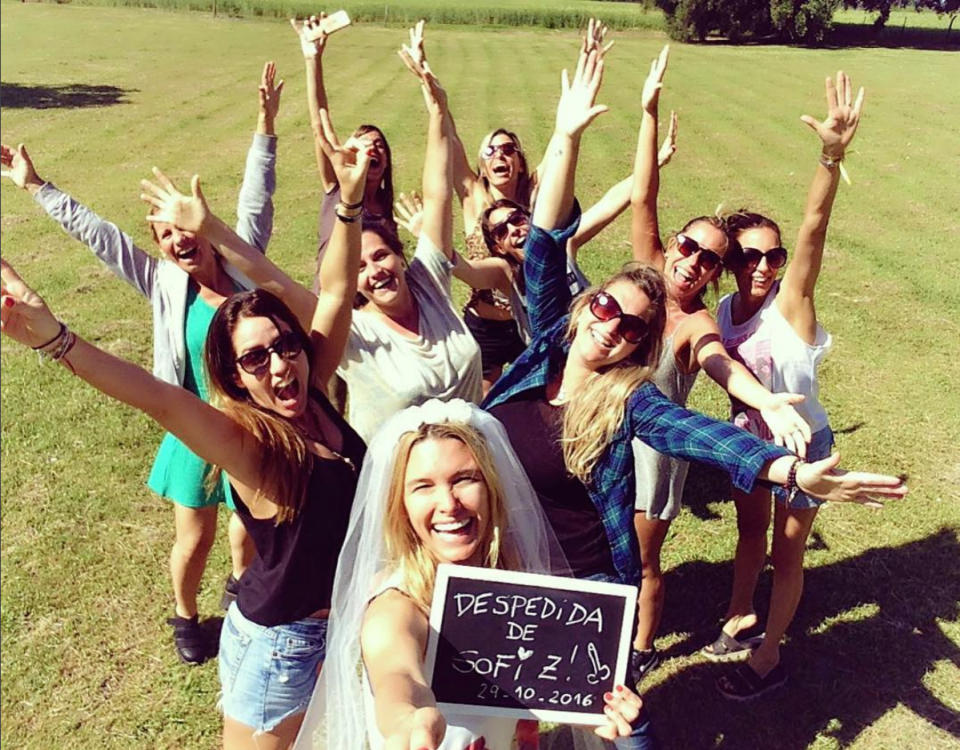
(333, 22)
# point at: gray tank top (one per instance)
(659, 478)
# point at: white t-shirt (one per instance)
(387, 371)
(781, 360)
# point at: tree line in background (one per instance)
(803, 21)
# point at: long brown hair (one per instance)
(595, 411)
(285, 460)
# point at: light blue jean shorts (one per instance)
(821, 443)
(268, 674)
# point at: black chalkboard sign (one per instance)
(527, 646)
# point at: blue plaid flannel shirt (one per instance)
(650, 416)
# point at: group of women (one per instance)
(573, 462)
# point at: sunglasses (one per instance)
(256, 361)
(776, 258)
(604, 307)
(515, 218)
(688, 246)
(507, 149)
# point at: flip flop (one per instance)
(727, 648)
(743, 684)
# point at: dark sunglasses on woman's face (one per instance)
(688, 246)
(604, 307)
(256, 361)
(507, 149)
(515, 218)
(776, 257)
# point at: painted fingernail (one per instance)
(619, 688)
(608, 696)
(9, 301)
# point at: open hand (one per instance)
(189, 213)
(840, 125)
(576, 108)
(350, 161)
(650, 97)
(408, 212)
(669, 146)
(24, 316)
(594, 37)
(789, 429)
(622, 709)
(824, 481)
(269, 92)
(18, 166)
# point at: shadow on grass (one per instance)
(864, 637)
(67, 96)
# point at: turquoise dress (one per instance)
(178, 473)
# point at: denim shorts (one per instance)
(821, 443)
(268, 674)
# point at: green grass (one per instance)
(86, 659)
(551, 15)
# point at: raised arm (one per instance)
(114, 247)
(575, 111)
(644, 225)
(795, 298)
(316, 91)
(206, 431)
(437, 222)
(393, 638)
(255, 200)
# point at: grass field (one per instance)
(101, 95)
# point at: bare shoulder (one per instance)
(391, 617)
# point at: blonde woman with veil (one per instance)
(440, 483)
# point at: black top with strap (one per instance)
(291, 575)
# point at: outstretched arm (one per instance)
(615, 201)
(788, 427)
(316, 91)
(114, 247)
(795, 298)
(644, 225)
(437, 223)
(255, 200)
(208, 432)
(392, 639)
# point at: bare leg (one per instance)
(753, 519)
(241, 546)
(196, 529)
(790, 531)
(650, 533)
(237, 736)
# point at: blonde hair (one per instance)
(526, 182)
(404, 548)
(594, 413)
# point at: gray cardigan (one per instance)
(159, 280)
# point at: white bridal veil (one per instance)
(335, 719)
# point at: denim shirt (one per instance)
(649, 416)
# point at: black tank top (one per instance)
(291, 575)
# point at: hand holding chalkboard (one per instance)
(523, 645)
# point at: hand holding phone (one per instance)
(328, 25)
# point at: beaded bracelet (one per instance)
(792, 487)
(351, 206)
(347, 219)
